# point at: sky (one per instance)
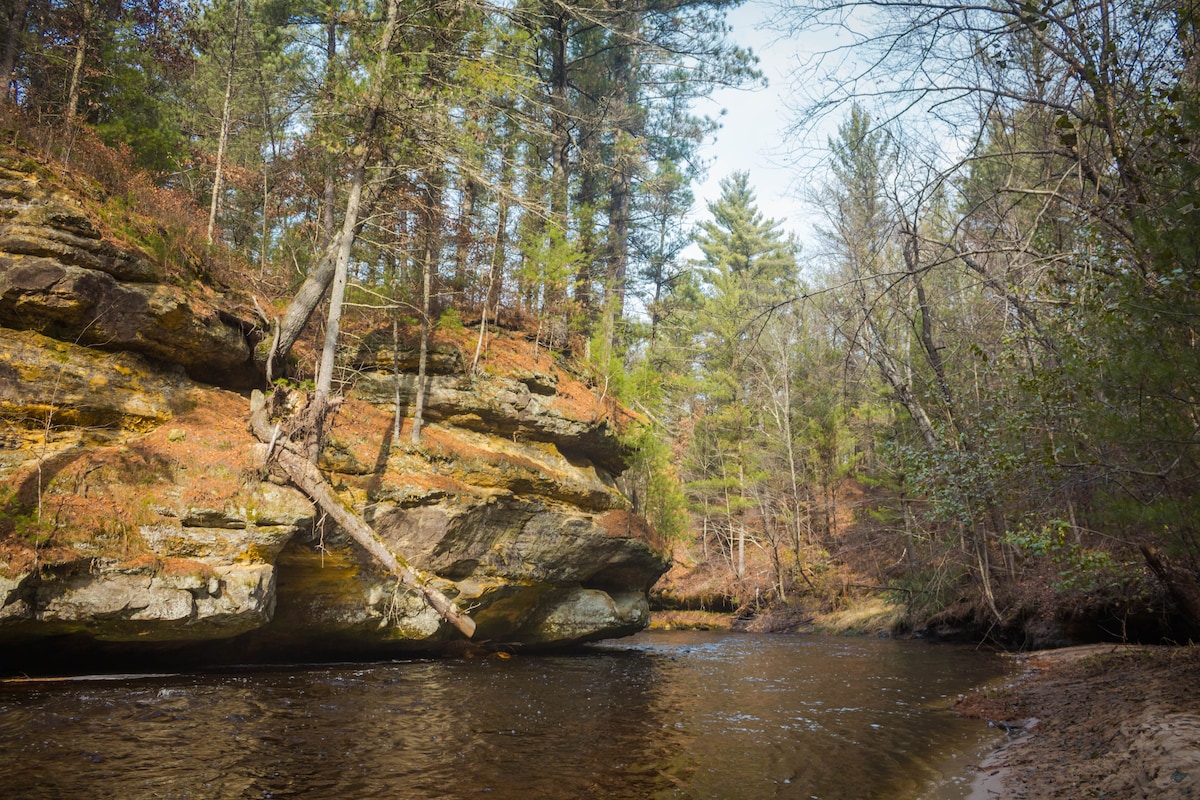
(752, 135)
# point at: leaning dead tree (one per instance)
(316, 286)
(294, 435)
(275, 428)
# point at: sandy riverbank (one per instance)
(1095, 721)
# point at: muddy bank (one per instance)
(1095, 721)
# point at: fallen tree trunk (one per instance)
(305, 475)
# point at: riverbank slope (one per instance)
(1095, 721)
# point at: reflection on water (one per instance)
(661, 715)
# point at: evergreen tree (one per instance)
(747, 273)
(739, 242)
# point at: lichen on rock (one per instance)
(134, 507)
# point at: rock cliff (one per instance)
(134, 518)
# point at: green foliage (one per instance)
(609, 366)
(550, 259)
(738, 242)
(1079, 568)
(450, 320)
(32, 530)
(305, 385)
(25, 523)
(659, 493)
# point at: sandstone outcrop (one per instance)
(60, 277)
(134, 514)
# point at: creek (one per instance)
(664, 714)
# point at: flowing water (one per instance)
(660, 715)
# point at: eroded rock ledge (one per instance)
(134, 519)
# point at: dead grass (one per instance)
(863, 616)
(690, 621)
(622, 523)
(163, 225)
(94, 499)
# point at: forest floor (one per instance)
(1111, 721)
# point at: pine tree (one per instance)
(748, 272)
(740, 242)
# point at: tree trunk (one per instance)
(925, 334)
(741, 556)
(74, 88)
(1180, 586)
(305, 475)
(394, 281)
(320, 404)
(618, 252)
(560, 147)
(269, 119)
(341, 270)
(900, 387)
(423, 358)
(560, 123)
(741, 550)
(329, 193)
(462, 251)
(226, 117)
(16, 30)
(585, 214)
(431, 236)
(491, 296)
(626, 160)
(310, 293)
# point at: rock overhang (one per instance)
(167, 533)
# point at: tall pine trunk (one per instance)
(625, 161)
(75, 87)
(226, 118)
(12, 44)
(347, 235)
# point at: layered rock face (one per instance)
(135, 518)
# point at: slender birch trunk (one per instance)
(423, 358)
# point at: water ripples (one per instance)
(682, 715)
